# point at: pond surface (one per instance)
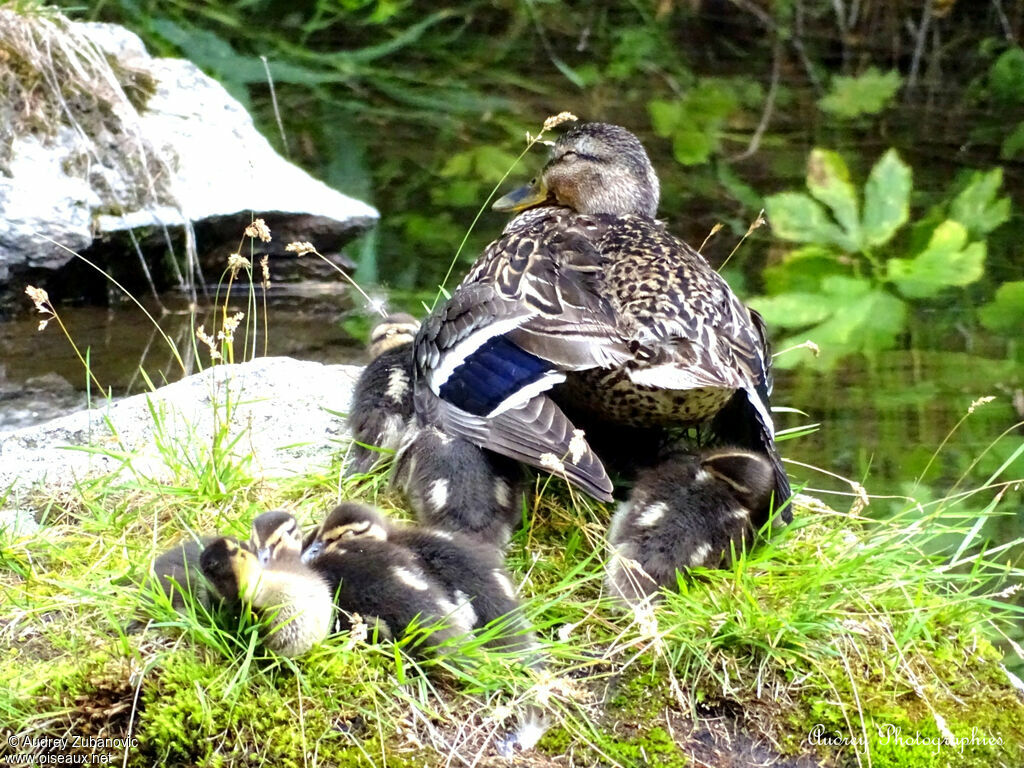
(41, 376)
(881, 422)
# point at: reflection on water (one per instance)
(881, 423)
(41, 377)
(892, 426)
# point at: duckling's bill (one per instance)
(526, 196)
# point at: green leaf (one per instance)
(866, 94)
(802, 270)
(1013, 144)
(738, 188)
(800, 218)
(665, 116)
(864, 320)
(692, 146)
(828, 179)
(977, 207)
(1005, 313)
(793, 310)
(946, 262)
(1006, 77)
(886, 199)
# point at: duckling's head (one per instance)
(594, 168)
(275, 535)
(391, 332)
(230, 567)
(749, 476)
(348, 520)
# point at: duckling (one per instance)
(382, 404)
(293, 597)
(386, 585)
(275, 537)
(177, 573)
(472, 578)
(587, 301)
(689, 511)
(457, 486)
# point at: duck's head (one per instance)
(594, 168)
(230, 567)
(275, 535)
(393, 331)
(748, 476)
(348, 520)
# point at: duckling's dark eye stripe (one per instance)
(493, 373)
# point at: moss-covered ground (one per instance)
(837, 641)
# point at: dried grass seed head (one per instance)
(300, 248)
(259, 229)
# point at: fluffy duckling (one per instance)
(382, 403)
(386, 585)
(295, 598)
(275, 536)
(456, 486)
(472, 577)
(689, 511)
(586, 301)
(176, 571)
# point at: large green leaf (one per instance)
(866, 94)
(886, 199)
(977, 206)
(665, 116)
(692, 145)
(947, 262)
(1005, 313)
(828, 180)
(864, 320)
(800, 218)
(802, 270)
(1006, 77)
(793, 310)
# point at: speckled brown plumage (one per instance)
(630, 325)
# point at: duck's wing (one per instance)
(528, 312)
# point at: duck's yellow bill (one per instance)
(527, 196)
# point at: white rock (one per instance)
(279, 404)
(206, 159)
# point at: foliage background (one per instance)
(420, 109)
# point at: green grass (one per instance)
(837, 620)
(839, 625)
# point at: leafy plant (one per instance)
(848, 286)
(866, 94)
(696, 122)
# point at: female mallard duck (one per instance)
(687, 512)
(587, 299)
(382, 404)
(293, 597)
(472, 577)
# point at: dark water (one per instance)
(41, 376)
(881, 422)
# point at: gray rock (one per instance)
(189, 153)
(279, 406)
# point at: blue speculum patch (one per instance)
(491, 374)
